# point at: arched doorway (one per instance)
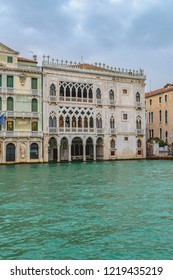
(99, 148)
(10, 152)
(64, 149)
(89, 149)
(52, 149)
(34, 151)
(77, 149)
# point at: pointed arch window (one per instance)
(111, 95)
(138, 98)
(139, 144)
(112, 123)
(112, 144)
(138, 122)
(98, 93)
(52, 90)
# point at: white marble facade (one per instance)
(91, 112)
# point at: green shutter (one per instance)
(10, 104)
(34, 83)
(10, 81)
(0, 80)
(34, 105)
(0, 103)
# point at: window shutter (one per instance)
(10, 81)
(34, 83)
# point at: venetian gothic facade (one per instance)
(67, 111)
(92, 112)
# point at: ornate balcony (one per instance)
(139, 131)
(21, 134)
(53, 99)
(113, 131)
(138, 105)
(112, 103)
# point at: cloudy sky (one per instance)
(120, 33)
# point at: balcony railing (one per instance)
(99, 101)
(75, 99)
(113, 131)
(21, 134)
(112, 102)
(138, 104)
(52, 98)
(54, 130)
(10, 90)
(99, 130)
(14, 114)
(139, 131)
(34, 91)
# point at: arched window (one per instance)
(85, 121)
(138, 97)
(161, 133)
(112, 123)
(67, 121)
(112, 144)
(138, 122)
(34, 105)
(68, 91)
(61, 121)
(98, 122)
(34, 151)
(61, 90)
(0, 103)
(98, 93)
(52, 121)
(90, 93)
(79, 93)
(111, 95)
(73, 121)
(139, 144)
(91, 124)
(10, 104)
(10, 152)
(166, 116)
(80, 121)
(52, 90)
(84, 93)
(73, 92)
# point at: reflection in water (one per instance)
(103, 210)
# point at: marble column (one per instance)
(69, 152)
(84, 152)
(94, 152)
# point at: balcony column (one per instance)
(84, 152)
(94, 152)
(3, 152)
(69, 152)
(28, 151)
(17, 159)
(41, 152)
(58, 153)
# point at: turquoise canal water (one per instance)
(103, 210)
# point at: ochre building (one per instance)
(160, 114)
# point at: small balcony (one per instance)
(10, 90)
(113, 131)
(21, 134)
(139, 131)
(99, 102)
(34, 91)
(99, 130)
(53, 99)
(138, 105)
(112, 103)
(53, 130)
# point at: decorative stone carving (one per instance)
(22, 150)
(22, 79)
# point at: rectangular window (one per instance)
(9, 59)
(124, 91)
(34, 126)
(10, 126)
(125, 117)
(126, 139)
(10, 81)
(33, 83)
(160, 115)
(0, 127)
(166, 98)
(150, 101)
(0, 80)
(160, 99)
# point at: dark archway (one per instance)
(10, 152)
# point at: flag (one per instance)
(2, 119)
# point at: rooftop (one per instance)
(166, 88)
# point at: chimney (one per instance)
(34, 58)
